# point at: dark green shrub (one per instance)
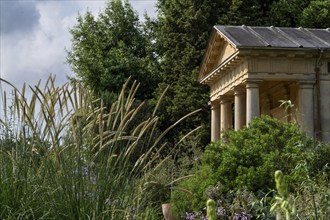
(320, 162)
(183, 202)
(249, 157)
(246, 159)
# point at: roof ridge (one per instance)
(285, 35)
(256, 34)
(273, 37)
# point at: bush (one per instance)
(247, 159)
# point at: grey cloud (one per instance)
(18, 16)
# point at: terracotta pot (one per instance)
(168, 215)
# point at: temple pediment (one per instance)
(219, 50)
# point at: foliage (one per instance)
(234, 205)
(106, 50)
(247, 12)
(282, 13)
(182, 29)
(170, 171)
(211, 213)
(237, 173)
(70, 158)
(285, 13)
(312, 195)
(305, 13)
(160, 183)
(247, 158)
(183, 202)
(316, 14)
(282, 201)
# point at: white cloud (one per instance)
(27, 56)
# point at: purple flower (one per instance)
(132, 210)
(190, 216)
(221, 211)
(236, 216)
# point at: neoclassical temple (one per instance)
(251, 69)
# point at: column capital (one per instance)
(214, 104)
(252, 83)
(225, 98)
(239, 90)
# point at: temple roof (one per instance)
(278, 37)
(228, 44)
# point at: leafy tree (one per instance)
(286, 13)
(316, 14)
(106, 50)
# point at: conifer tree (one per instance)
(182, 32)
(247, 12)
(285, 13)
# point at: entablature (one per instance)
(222, 69)
(225, 84)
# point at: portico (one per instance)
(250, 69)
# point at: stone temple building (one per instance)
(250, 69)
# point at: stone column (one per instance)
(215, 120)
(306, 107)
(252, 100)
(240, 107)
(226, 113)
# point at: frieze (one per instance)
(233, 78)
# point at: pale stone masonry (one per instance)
(250, 69)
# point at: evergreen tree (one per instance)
(286, 13)
(247, 12)
(182, 32)
(281, 13)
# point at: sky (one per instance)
(35, 33)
